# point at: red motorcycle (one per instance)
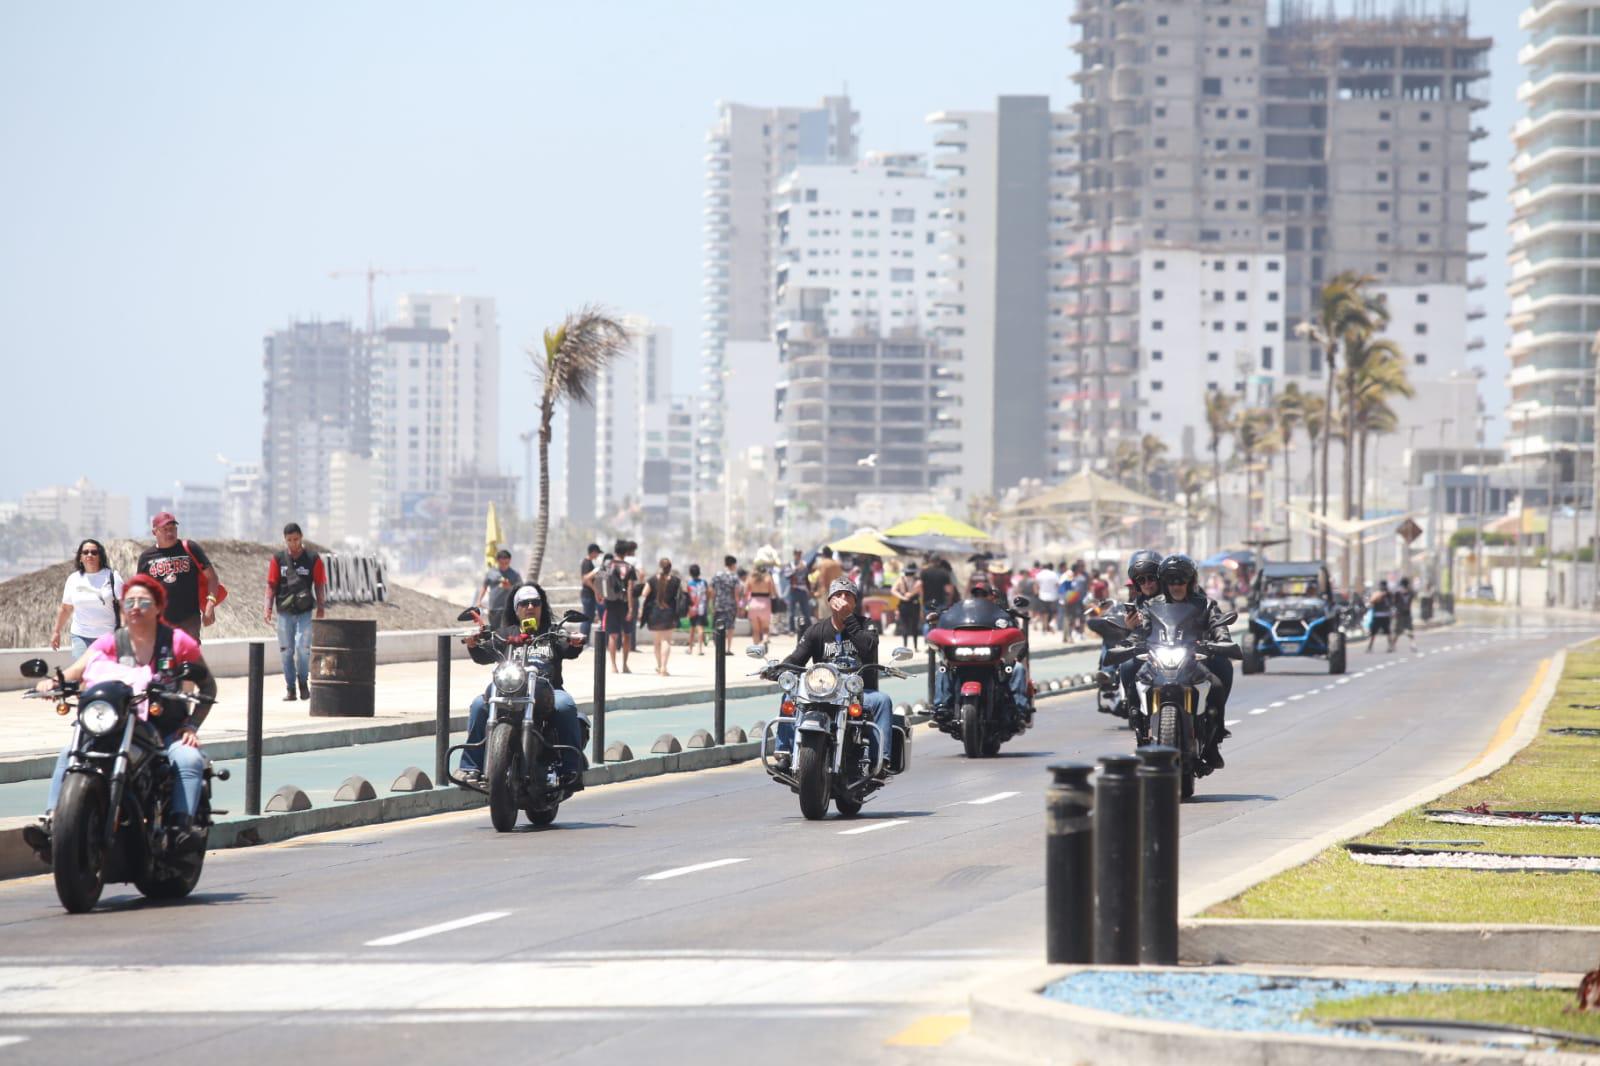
(982, 668)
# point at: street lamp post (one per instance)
(1481, 504)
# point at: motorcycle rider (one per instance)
(825, 640)
(1178, 576)
(527, 602)
(148, 641)
(1144, 566)
(944, 695)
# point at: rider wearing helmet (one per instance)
(1143, 571)
(1179, 580)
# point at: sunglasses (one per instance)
(89, 553)
(138, 603)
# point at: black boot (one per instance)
(289, 695)
(305, 689)
(37, 837)
(184, 837)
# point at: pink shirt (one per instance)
(104, 665)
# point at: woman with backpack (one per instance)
(699, 607)
(661, 611)
(90, 599)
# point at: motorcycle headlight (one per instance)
(99, 717)
(789, 681)
(509, 677)
(854, 685)
(822, 681)
(1170, 658)
(974, 652)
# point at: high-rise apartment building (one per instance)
(1555, 257)
(316, 386)
(857, 291)
(84, 510)
(1002, 223)
(748, 150)
(1255, 160)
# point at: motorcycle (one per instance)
(1173, 683)
(522, 752)
(980, 644)
(1110, 620)
(111, 822)
(832, 740)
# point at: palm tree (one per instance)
(1124, 461)
(1288, 410)
(1152, 449)
(1219, 420)
(573, 357)
(1252, 435)
(1360, 343)
(1340, 306)
(1381, 375)
(1314, 417)
(1191, 483)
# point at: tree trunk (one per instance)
(1216, 480)
(1288, 492)
(1327, 368)
(541, 523)
(1361, 509)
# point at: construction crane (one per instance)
(373, 273)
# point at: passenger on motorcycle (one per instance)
(146, 645)
(944, 695)
(527, 602)
(826, 640)
(1143, 585)
(1177, 576)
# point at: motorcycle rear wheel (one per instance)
(1336, 653)
(847, 806)
(1253, 663)
(173, 886)
(78, 833)
(542, 816)
(811, 771)
(501, 761)
(972, 740)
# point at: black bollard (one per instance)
(1069, 865)
(719, 699)
(1116, 861)
(441, 712)
(599, 722)
(252, 728)
(1159, 789)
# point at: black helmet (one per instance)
(1177, 569)
(1143, 564)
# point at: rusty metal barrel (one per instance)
(344, 660)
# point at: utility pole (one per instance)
(527, 470)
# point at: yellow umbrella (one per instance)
(932, 523)
(492, 538)
(863, 542)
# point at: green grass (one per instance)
(1551, 774)
(1539, 1007)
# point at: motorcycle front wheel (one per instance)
(972, 740)
(811, 771)
(1169, 733)
(78, 842)
(501, 763)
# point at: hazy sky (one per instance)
(180, 179)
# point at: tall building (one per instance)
(749, 149)
(857, 288)
(199, 509)
(435, 411)
(241, 504)
(1555, 256)
(315, 403)
(1003, 217)
(84, 510)
(1255, 161)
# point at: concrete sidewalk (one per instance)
(31, 733)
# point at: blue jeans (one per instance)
(944, 694)
(294, 645)
(799, 610)
(567, 731)
(877, 704)
(81, 645)
(189, 764)
(591, 611)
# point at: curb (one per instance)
(1416, 945)
(1013, 1016)
(1192, 903)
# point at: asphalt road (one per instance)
(698, 915)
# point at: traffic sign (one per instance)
(1409, 531)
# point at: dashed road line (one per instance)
(434, 930)
(873, 827)
(996, 798)
(1276, 704)
(1233, 721)
(696, 868)
(1297, 696)
(1261, 710)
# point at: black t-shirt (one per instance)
(174, 569)
(821, 641)
(585, 568)
(936, 582)
(622, 574)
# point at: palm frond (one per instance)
(576, 352)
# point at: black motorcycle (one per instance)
(832, 740)
(522, 750)
(1111, 621)
(113, 820)
(1173, 683)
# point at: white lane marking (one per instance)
(434, 930)
(996, 798)
(1278, 703)
(696, 868)
(873, 827)
(1233, 721)
(1261, 710)
(7, 1041)
(1342, 681)
(1297, 696)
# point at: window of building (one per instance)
(1422, 297)
(1383, 146)
(1425, 208)
(1217, 296)
(1272, 203)
(1211, 87)
(1212, 357)
(1383, 176)
(1266, 357)
(1155, 385)
(1219, 265)
(1420, 358)
(1383, 207)
(1382, 267)
(1383, 238)
(1160, 172)
(1420, 328)
(1157, 324)
(1272, 297)
(1244, 144)
(1272, 327)
(1156, 356)
(1161, 112)
(1159, 205)
(1424, 238)
(1422, 268)
(1161, 80)
(1216, 327)
(1209, 236)
(1161, 142)
(1383, 116)
(1161, 49)
(1221, 173)
(811, 196)
(1243, 205)
(1161, 20)
(1158, 294)
(1424, 177)
(1247, 52)
(1222, 112)
(1241, 327)
(1426, 116)
(1242, 265)
(1160, 264)
(1222, 52)
(903, 214)
(1219, 205)
(1222, 142)
(1222, 20)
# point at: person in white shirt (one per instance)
(89, 599)
(1049, 592)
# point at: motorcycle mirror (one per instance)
(1020, 603)
(573, 616)
(35, 668)
(187, 671)
(900, 655)
(756, 651)
(1230, 618)
(469, 615)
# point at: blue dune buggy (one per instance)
(1292, 614)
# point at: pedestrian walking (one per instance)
(630, 625)
(824, 572)
(1380, 615)
(938, 589)
(1403, 597)
(192, 586)
(661, 611)
(497, 585)
(297, 585)
(589, 605)
(908, 591)
(699, 604)
(614, 580)
(91, 599)
(796, 578)
(726, 590)
(1049, 582)
(759, 592)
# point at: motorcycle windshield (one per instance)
(973, 613)
(1176, 623)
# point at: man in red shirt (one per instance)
(297, 584)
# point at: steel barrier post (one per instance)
(719, 700)
(1116, 861)
(599, 722)
(1160, 790)
(441, 713)
(252, 728)
(1069, 865)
